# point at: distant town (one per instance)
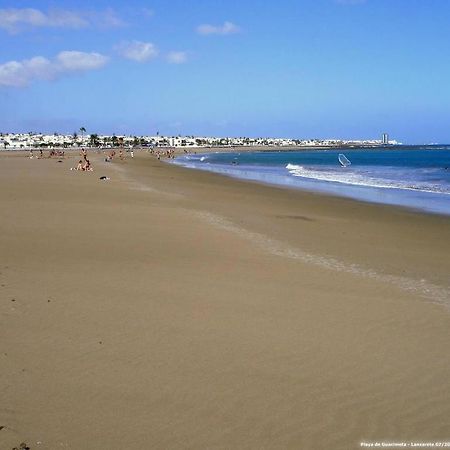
(17, 141)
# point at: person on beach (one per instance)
(87, 166)
(79, 166)
(31, 154)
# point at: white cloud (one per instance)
(14, 20)
(39, 67)
(226, 28)
(19, 74)
(138, 51)
(177, 57)
(80, 61)
(13, 73)
(22, 73)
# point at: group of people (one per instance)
(83, 164)
(112, 154)
(58, 153)
(51, 153)
(168, 153)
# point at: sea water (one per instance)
(414, 177)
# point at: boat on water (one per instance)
(343, 160)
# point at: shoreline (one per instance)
(172, 308)
(178, 153)
(363, 196)
(322, 203)
(408, 198)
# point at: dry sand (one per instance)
(171, 309)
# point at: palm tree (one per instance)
(82, 131)
(94, 139)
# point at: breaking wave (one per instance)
(361, 178)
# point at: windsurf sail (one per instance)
(343, 160)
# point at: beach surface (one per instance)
(168, 308)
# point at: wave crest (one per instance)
(345, 176)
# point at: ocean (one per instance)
(414, 177)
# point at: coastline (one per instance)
(281, 202)
(424, 188)
(173, 308)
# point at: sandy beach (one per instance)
(168, 308)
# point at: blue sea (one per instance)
(414, 177)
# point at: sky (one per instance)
(349, 69)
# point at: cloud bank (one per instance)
(23, 73)
(226, 28)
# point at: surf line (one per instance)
(431, 292)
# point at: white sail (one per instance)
(343, 160)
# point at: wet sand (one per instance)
(169, 308)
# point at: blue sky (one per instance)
(290, 68)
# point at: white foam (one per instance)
(192, 158)
(346, 176)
